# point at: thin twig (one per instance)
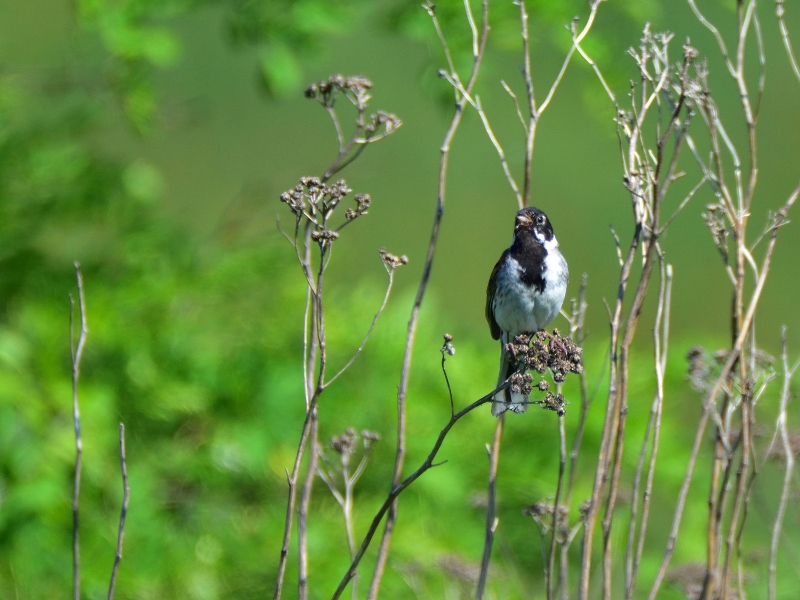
(383, 550)
(302, 508)
(557, 514)
(491, 520)
(390, 270)
(516, 104)
(77, 354)
(126, 494)
(710, 402)
(576, 42)
(780, 12)
(788, 456)
(398, 489)
(578, 333)
(661, 339)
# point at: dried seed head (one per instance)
(392, 261)
(344, 444)
(689, 52)
(324, 236)
(369, 437)
(555, 402)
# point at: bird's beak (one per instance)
(523, 220)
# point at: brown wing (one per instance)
(493, 326)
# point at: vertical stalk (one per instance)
(491, 520)
(77, 354)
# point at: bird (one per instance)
(525, 293)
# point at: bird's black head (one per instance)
(533, 220)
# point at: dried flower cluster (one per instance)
(543, 351)
(362, 204)
(392, 261)
(448, 347)
(345, 445)
(716, 222)
(540, 352)
(704, 370)
(325, 92)
(543, 513)
(356, 89)
(313, 200)
(555, 402)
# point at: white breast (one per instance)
(522, 309)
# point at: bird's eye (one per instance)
(540, 219)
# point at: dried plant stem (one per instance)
(559, 524)
(491, 520)
(317, 348)
(661, 338)
(77, 354)
(534, 111)
(578, 333)
(302, 509)
(710, 403)
(398, 489)
(780, 11)
(739, 498)
(383, 550)
(126, 494)
(788, 455)
(369, 331)
(601, 473)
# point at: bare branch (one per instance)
(491, 520)
(390, 270)
(402, 485)
(788, 456)
(126, 494)
(577, 38)
(780, 11)
(383, 551)
(717, 388)
(77, 354)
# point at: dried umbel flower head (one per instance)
(369, 437)
(315, 196)
(540, 352)
(545, 512)
(326, 91)
(555, 402)
(392, 261)
(326, 235)
(716, 222)
(544, 350)
(690, 53)
(698, 368)
(362, 204)
(383, 123)
(521, 383)
(344, 444)
(447, 347)
(314, 201)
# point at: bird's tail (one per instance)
(506, 399)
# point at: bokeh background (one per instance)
(150, 140)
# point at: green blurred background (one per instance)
(150, 140)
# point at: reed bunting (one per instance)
(525, 293)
